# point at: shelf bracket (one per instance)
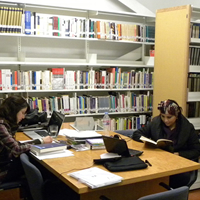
(19, 48)
(87, 51)
(20, 53)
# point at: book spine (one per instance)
(27, 22)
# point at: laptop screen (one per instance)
(115, 145)
(56, 119)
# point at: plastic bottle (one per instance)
(106, 123)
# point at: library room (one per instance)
(99, 100)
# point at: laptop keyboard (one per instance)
(42, 133)
(36, 134)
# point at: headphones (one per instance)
(117, 136)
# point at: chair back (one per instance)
(174, 194)
(127, 133)
(34, 177)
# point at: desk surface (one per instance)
(163, 163)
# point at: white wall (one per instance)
(138, 6)
(153, 5)
(106, 5)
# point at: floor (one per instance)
(194, 195)
(10, 194)
(14, 195)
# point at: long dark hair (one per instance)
(11, 106)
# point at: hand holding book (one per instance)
(164, 144)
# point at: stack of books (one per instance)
(41, 149)
(96, 143)
(79, 137)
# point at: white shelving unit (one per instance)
(194, 96)
(40, 52)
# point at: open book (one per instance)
(161, 143)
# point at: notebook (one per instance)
(56, 119)
(119, 146)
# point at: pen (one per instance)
(146, 161)
(56, 141)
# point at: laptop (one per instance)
(119, 146)
(56, 119)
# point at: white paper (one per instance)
(50, 155)
(23, 141)
(66, 131)
(79, 134)
(95, 177)
(109, 155)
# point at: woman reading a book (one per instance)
(172, 125)
(12, 111)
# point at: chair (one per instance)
(19, 183)
(33, 176)
(127, 133)
(193, 178)
(15, 185)
(41, 188)
(174, 194)
(10, 185)
(176, 180)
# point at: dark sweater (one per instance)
(187, 146)
(9, 147)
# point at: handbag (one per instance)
(34, 119)
(126, 164)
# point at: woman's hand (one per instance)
(47, 139)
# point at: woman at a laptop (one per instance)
(12, 111)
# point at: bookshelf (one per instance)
(43, 51)
(173, 64)
(173, 61)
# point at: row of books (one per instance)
(194, 82)
(193, 109)
(129, 102)
(59, 79)
(10, 19)
(194, 56)
(194, 30)
(124, 123)
(17, 20)
(66, 26)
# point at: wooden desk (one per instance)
(135, 183)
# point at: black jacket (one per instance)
(188, 145)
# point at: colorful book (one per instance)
(57, 78)
(96, 143)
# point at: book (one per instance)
(96, 143)
(47, 148)
(161, 143)
(57, 78)
(27, 22)
(103, 104)
(78, 136)
(95, 177)
(56, 154)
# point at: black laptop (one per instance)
(57, 118)
(119, 146)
